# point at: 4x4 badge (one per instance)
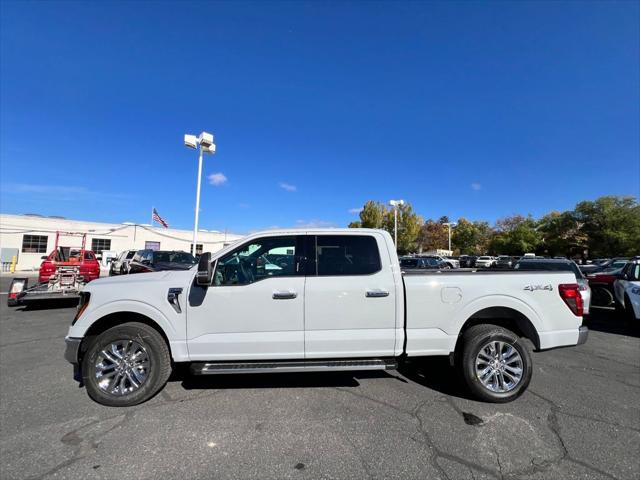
(531, 288)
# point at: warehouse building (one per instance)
(30, 236)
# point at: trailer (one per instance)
(60, 278)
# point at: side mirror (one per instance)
(205, 270)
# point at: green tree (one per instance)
(515, 235)
(373, 215)
(409, 224)
(377, 215)
(433, 235)
(611, 225)
(471, 238)
(562, 234)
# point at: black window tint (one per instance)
(347, 255)
(260, 259)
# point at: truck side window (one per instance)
(347, 255)
(258, 260)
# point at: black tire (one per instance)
(159, 363)
(473, 341)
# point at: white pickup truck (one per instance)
(316, 300)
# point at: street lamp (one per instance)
(450, 224)
(395, 204)
(205, 141)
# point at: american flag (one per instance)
(159, 219)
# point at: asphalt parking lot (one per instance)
(580, 418)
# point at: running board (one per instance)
(292, 366)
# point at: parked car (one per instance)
(604, 265)
(432, 263)
(468, 261)
(505, 261)
(451, 261)
(159, 260)
(485, 262)
(339, 303)
(85, 261)
(626, 289)
(559, 265)
(120, 266)
(601, 281)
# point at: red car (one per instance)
(89, 268)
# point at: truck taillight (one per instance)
(570, 293)
(17, 286)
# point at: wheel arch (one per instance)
(506, 317)
(118, 318)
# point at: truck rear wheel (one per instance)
(126, 365)
(495, 364)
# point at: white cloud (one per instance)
(217, 179)
(355, 210)
(314, 224)
(288, 187)
(476, 186)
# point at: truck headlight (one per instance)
(635, 290)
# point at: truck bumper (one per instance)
(583, 334)
(72, 349)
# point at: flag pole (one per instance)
(152, 216)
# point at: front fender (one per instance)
(120, 306)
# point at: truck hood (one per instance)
(129, 281)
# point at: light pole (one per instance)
(395, 204)
(450, 224)
(205, 141)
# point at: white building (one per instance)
(29, 237)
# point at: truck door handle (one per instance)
(284, 295)
(377, 293)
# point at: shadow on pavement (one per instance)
(607, 320)
(437, 374)
(274, 380)
(48, 304)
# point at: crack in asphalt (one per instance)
(83, 447)
(554, 426)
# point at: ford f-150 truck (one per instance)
(316, 300)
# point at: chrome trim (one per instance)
(122, 367)
(173, 297)
(583, 334)
(284, 295)
(72, 349)
(499, 366)
(293, 366)
(376, 293)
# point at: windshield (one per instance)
(173, 257)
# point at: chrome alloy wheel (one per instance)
(499, 366)
(122, 367)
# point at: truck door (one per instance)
(255, 306)
(350, 297)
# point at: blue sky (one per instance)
(463, 109)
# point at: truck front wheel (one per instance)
(126, 365)
(495, 364)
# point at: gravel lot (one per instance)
(579, 419)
